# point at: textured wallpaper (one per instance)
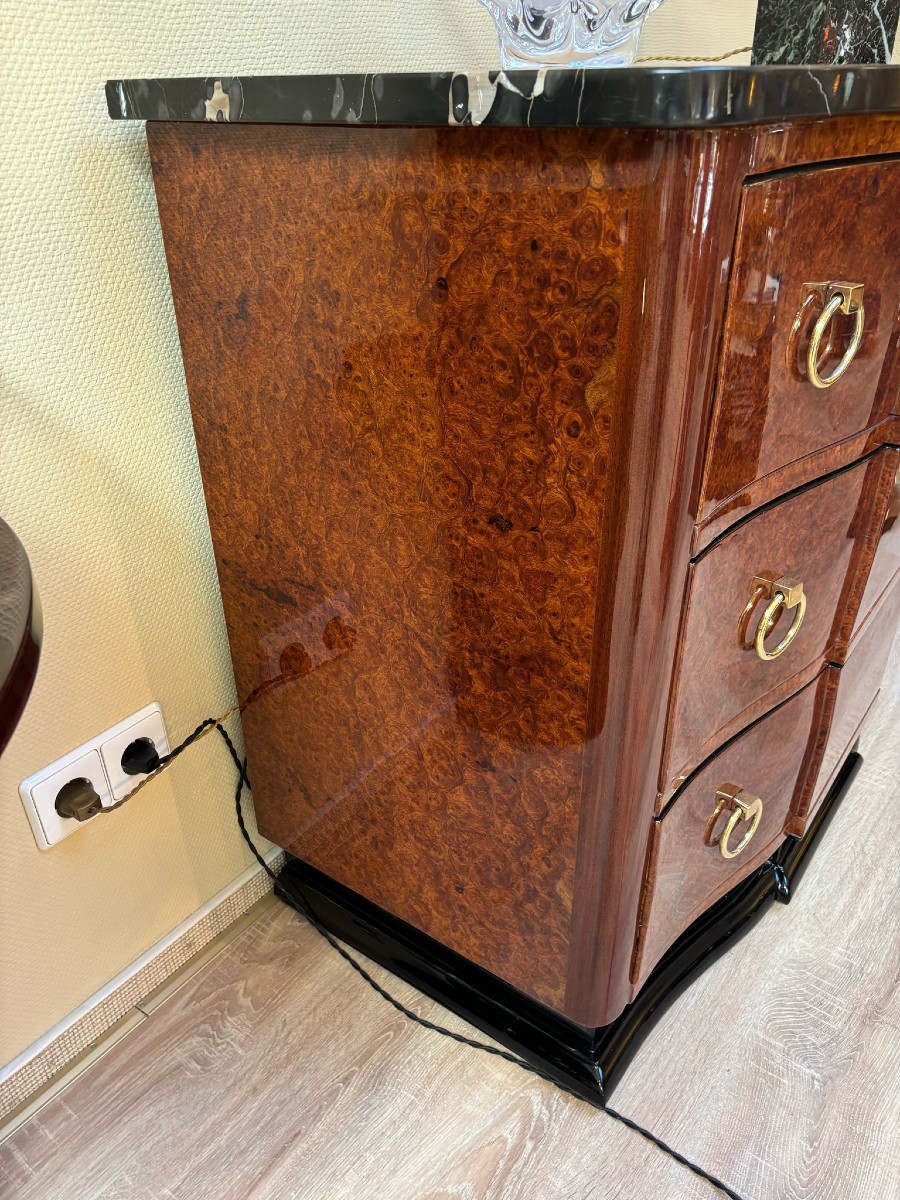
(98, 471)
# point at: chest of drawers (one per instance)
(552, 476)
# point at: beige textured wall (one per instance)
(98, 472)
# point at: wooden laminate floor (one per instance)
(275, 1073)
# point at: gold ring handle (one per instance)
(839, 297)
(743, 807)
(781, 593)
(769, 618)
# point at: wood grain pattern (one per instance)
(823, 537)
(664, 391)
(794, 475)
(794, 230)
(686, 875)
(405, 359)
(451, 389)
(789, 144)
(20, 632)
(844, 703)
(886, 563)
(275, 1074)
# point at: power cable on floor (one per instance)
(304, 911)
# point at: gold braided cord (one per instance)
(698, 58)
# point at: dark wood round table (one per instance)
(20, 631)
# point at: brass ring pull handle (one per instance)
(839, 297)
(743, 807)
(781, 593)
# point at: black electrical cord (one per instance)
(300, 907)
(305, 911)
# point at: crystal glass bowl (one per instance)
(568, 33)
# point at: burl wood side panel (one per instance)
(823, 537)
(798, 229)
(401, 349)
(685, 875)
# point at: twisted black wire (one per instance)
(303, 909)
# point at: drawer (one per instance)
(848, 694)
(686, 869)
(797, 230)
(821, 538)
(886, 564)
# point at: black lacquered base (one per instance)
(586, 1060)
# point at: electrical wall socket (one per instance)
(148, 723)
(100, 761)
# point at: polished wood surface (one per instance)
(796, 230)
(886, 564)
(792, 144)
(664, 390)
(821, 536)
(684, 874)
(794, 475)
(847, 699)
(452, 391)
(412, 373)
(276, 1074)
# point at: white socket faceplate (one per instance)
(100, 761)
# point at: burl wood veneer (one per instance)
(685, 874)
(452, 390)
(796, 230)
(824, 536)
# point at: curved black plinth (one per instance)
(586, 1060)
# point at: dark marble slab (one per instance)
(825, 31)
(657, 97)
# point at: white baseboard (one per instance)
(75, 1033)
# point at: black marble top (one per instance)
(656, 97)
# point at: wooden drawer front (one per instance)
(684, 874)
(850, 693)
(834, 225)
(886, 564)
(822, 537)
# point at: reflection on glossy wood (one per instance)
(845, 700)
(886, 563)
(800, 143)
(822, 537)
(796, 230)
(451, 390)
(411, 577)
(275, 1073)
(664, 390)
(794, 475)
(685, 875)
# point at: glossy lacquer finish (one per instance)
(402, 350)
(684, 874)
(451, 389)
(798, 229)
(846, 697)
(586, 1061)
(886, 564)
(794, 475)
(822, 537)
(446, 414)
